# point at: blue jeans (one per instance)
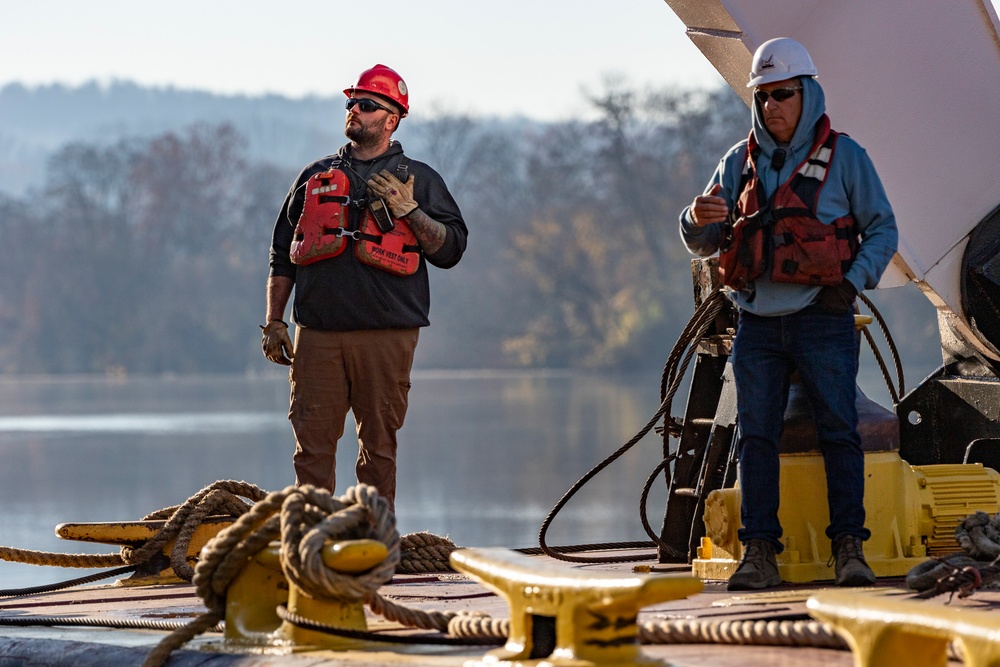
(823, 347)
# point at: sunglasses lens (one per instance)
(779, 94)
(365, 105)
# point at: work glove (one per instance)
(275, 343)
(398, 195)
(837, 298)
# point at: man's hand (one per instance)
(398, 195)
(710, 208)
(837, 298)
(276, 344)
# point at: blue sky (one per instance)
(496, 58)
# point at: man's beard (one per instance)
(366, 136)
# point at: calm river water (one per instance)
(483, 455)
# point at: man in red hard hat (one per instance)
(353, 238)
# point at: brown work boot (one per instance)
(851, 567)
(758, 569)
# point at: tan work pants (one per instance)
(336, 371)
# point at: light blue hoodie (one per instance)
(852, 187)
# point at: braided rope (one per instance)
(758, 633)
(30, 557)
(303, 517)
(219, 498)
(412, 618)
(425, 552)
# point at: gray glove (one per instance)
(276, 344)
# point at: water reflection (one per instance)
(483, 456)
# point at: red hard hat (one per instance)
(384, 81)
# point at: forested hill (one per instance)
(34, 121)
(136, 225)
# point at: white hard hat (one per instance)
(779, 59)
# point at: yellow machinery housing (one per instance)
(912, 512)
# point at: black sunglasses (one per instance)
(779, 94)
(365, 105)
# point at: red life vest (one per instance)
(395, 251)
(323, 228)
(319, 233)
(782, 237)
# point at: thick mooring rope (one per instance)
(303, 518)
(424, 552)
(222, 498)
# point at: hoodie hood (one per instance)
(813, 108)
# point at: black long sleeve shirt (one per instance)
(343, 294)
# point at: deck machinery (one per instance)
(919, 89)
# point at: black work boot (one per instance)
(758, 569)
(850, 565)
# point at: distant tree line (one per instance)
(149, 255)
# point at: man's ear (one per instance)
(392, 122)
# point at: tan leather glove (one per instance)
(276, 344)
(398, 195)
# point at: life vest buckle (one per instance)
(341, 232)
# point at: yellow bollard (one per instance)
(256, 592)
(565, 616)
(135, 534)
(253, 597)
(885, 631)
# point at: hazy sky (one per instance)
(516, 56)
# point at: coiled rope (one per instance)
(978, 535)
(222, 498)
(304, 518)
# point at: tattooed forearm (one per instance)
(279, 289)
(430, 233)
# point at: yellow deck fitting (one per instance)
(135, 534)
(255, 593)
(566, 616)
(253, 597)
(886, 631)
(911, 511)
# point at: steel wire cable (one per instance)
(673, 372)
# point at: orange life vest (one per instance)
(782, 237)
(395, 251)
(319, 233)
(323, 229)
